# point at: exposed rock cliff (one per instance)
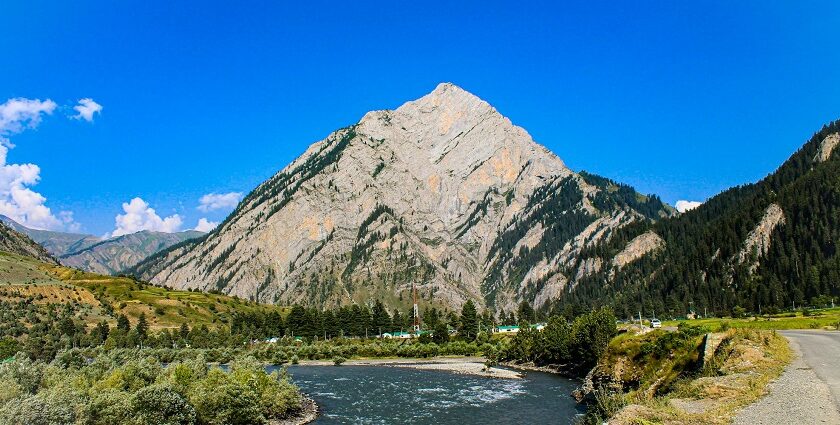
(443, 192)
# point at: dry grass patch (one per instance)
(746, 361)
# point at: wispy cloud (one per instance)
(86, 109)
(218, 201)
(138, 215)
(683, 206)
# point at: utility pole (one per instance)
(416, 310)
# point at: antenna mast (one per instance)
(416, 310)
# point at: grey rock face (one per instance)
(444, 193)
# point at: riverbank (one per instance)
(474, 366)
(307, 414)
(553, 369)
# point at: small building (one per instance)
(515, 329)
(396, 335)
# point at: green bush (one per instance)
(108, 407)
(338, 360)
(161, 404)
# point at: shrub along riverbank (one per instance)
(121, 387)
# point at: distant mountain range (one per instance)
(104, 256)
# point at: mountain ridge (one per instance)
(98, 255)
(443, 192)
(762, 246)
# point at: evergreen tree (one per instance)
(184, 331)
(440, 335)
(469, 321)
(123, 323)
(381, 318)
(142, 327)
(526, 312)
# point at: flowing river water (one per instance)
(392, 395)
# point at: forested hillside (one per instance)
(760, 246)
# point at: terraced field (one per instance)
(98, 297)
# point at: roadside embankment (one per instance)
(669, 377)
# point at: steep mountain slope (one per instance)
(17, 243)
(443, 192)
(113, 255)
(57, 243)
(104, 256)
(761, 246)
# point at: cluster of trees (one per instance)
(700, 267)
(42, 331)
(358, 321)
(140, 391)
(576, 346)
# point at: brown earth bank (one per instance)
(672, 378)
(307, 414)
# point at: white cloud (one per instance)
(205, 225)
(86, 109)
(683, 206)
(19, 113)
(139, 216)
(217, 201)
(17, 200)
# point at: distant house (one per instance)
(514, 329)
(272, 340)
(396, 335)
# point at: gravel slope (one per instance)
(799, 396)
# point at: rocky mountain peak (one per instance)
(443, 192)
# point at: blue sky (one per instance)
(678, 99)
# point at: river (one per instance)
(390, 395)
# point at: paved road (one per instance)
(808, 392)
(821, 351)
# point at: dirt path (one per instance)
(801, 395)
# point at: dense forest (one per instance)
(699, 268)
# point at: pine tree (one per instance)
(123, 323)
(469, 321)
(142, 327)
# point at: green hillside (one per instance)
(28, 284)
(705, 265)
